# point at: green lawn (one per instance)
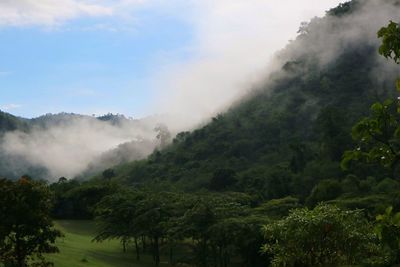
(78, 250)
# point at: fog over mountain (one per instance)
(69, 144)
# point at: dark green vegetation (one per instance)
(26, 230)
(308, 136)
(215, 229)
(325, 236)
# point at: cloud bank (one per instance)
(66, 145)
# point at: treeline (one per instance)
(205, 229)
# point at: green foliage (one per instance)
(325, 190)
(76, 200)
(343, 8)
(277, 208)
(387, 186)
(26, 229)
(222, 179)
(108, 174)
(219, 225)
(377, 137)
(324, 236)
(371, 204)
(390, 47)
(387, 229)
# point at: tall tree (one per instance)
(26, 228)
(378, 136)
(324, 236)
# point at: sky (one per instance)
(139, 57)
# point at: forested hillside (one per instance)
(291, 132)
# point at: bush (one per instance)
(325, 190)
(387, 186)
(324, 236)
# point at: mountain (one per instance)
(290, 132)
(9, 122)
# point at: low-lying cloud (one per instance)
(68, 147)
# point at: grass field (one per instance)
(78, 250)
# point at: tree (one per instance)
(222, 179)
(387, 229)
(390, 47)
(115, 215)
(108, 174)
(325, 190)
(324, 236)
(26, 229)
(378, 136)
(209, 222)
(163, 134)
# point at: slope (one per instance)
(291, 131)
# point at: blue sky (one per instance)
(77, 67)
(132, 56)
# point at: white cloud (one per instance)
(67, 147)
(8, 107)
(48, 13)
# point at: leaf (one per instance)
(378, 231)
(389, 210)
(398, 85)
(396, 219)
(376, 107)
(397, 132)
(388, 102)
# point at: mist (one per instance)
(70, 146)
(237, 58)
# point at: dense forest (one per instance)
(301, 172)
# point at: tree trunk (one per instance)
(137, 249)
(226, 258)
(204, 253)
(215, 255)
(220, 256)
(144, 243)
(156, 251)
(124, 245)
(171, 255)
